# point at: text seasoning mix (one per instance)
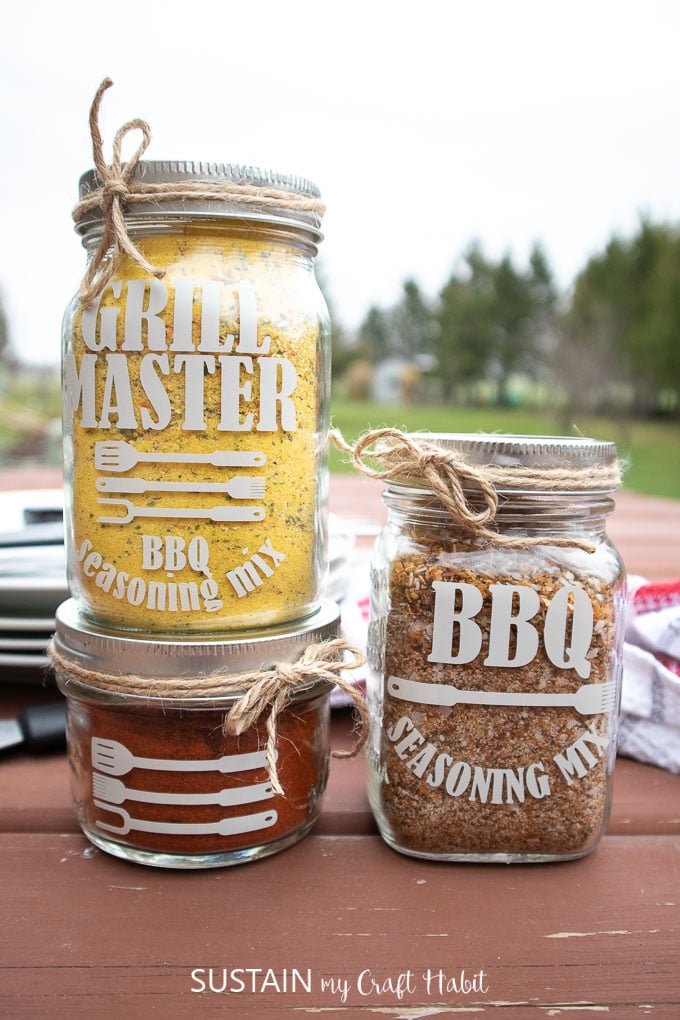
(169, 766)
(196, 379)
(495, 648)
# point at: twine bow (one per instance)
(111, 198)
(120, 185)
(444, 471)
(265, 690)
(272, 688)
(459, 485)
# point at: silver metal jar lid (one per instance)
(525, 451)
(199, 207)
(591, 460)
(105, 650)
(546, 465)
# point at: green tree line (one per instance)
(612, 343)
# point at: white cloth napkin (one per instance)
(649, 727)
(354, 613)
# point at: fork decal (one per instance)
(118, 455)
(129, 511)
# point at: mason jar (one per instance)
(495, 657)
(156, 776)
(196, 406)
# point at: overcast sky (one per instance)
(426, 126)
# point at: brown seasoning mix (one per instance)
(487, 779)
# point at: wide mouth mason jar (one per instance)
(156, 778)
(196, 404)
(495, 656)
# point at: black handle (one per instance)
(44, 727)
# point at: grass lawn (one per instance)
(651, 448)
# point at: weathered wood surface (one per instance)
(86, 935)
(340, 925)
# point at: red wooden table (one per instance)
(340, 925)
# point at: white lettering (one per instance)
(114, 377)
(233, 392)
(195, 366)
(156, 595)
(577, 760)
(447, 615)
(197, 977)
(117, 399)
(246, 577)
(146, 299)
(513, 640)
(570, 605)
(247, 341)
(107, 317)
(155, 391)
(278, 380)
(460, 778)
(504, 625)
(211, 291)
(81, 386)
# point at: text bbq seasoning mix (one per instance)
(156, 775)
(495, 652)
(196, 384)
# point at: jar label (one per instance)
(496, 784)
(113, 759)
(513, 637)
(193, 408)
(168, 347)
(498, 702)
(174, 783)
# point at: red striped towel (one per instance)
(649, 728)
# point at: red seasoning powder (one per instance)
(159, 778)
(112, 795)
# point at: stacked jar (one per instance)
(196, 379)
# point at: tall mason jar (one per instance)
(196, 410)
(495, 665)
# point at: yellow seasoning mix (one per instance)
(196, 385)
(495, 652)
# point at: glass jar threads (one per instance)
(495, 649)
(158, 776)
(196, 376)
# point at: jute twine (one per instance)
(261, 690)
(119, 187)
(460, 486)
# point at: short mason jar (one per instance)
(495, 669)
(155, 778)
(196, 409)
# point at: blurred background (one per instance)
(502, 240)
